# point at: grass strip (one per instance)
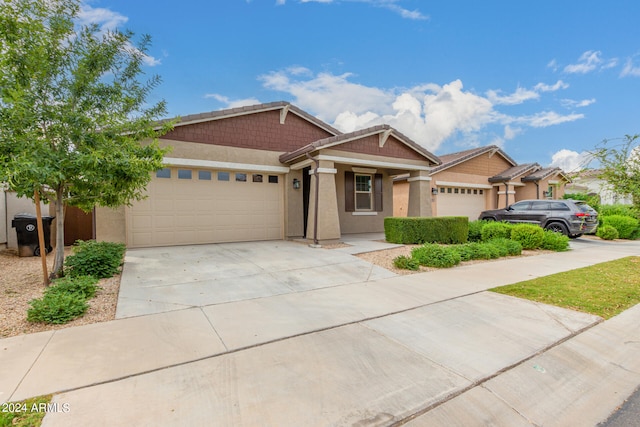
(605, 289)
(26, 413)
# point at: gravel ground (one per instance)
(21, 281)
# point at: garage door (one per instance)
(192, 206)
(458, 201)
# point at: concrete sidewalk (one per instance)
(429, 349)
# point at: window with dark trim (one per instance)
(241, 177)
(363, 192)
(273, 179)
(204, 175)
(223, 176)
(256, 177)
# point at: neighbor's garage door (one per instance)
(456, 201)
(191, 206)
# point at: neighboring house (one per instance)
(470, 181)
(252, 173)
(588, 181)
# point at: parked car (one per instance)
(572, 218)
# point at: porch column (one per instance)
(328, 225)
(419, 194)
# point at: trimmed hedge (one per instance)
(496, 230)
(475, 229)
(530, 236)
(417, 230)
(555, 241)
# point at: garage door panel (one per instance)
(192, 211)
(454, 201)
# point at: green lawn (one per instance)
(603, 289)
(26, 413)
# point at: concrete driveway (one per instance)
(157, 280)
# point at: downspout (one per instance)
(537, 189)
(315, 207)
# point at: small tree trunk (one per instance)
(58, 261)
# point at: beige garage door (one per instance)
(192, 206)
(457, 201)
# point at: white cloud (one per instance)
(547, 118)
(570, 103)
(427, 113)
(570, 161)
(542, 87)
(105, 18)
(518, 97)
(630, 69)
(108, 20)
(590, 61)
(228, 103)
(392, 5)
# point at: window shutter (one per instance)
(349, 192)
(377, 192)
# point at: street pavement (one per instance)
(364, 347)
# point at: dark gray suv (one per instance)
(572, 218)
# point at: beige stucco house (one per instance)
(470, 181)
(258, 173)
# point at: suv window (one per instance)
(520, 206)
(540, 206)
(583, 207)
(559, 206)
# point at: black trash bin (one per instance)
(26, 226)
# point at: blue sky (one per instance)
(546, 80)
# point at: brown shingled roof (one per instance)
(544, 173)
(251, 109)
(452, 159)
(345, 137)
(514, 172)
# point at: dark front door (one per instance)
(78, 225)
(306, 188)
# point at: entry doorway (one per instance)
(306, 190)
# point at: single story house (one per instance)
(270, 171)
(471, 181)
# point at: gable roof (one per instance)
(283, 106)
(545, 173)
(453, 159)
(383, 130)
(514, 172)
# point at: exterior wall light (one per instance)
(434, 191)
(296, 183)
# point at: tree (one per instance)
(620, 166)
(74, 120)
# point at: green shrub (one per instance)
(97, 259)
(416, 230)
(618, 209)
(82, 286)
(495, 230)
(627, 226)
(475, 230)
(485, 251)
(406, 263)
(528, 235)
(554, 241)
(465, 250)
(433, 255)
(507, 247)
(607, 232)
(56, 308)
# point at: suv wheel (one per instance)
(558, 228)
